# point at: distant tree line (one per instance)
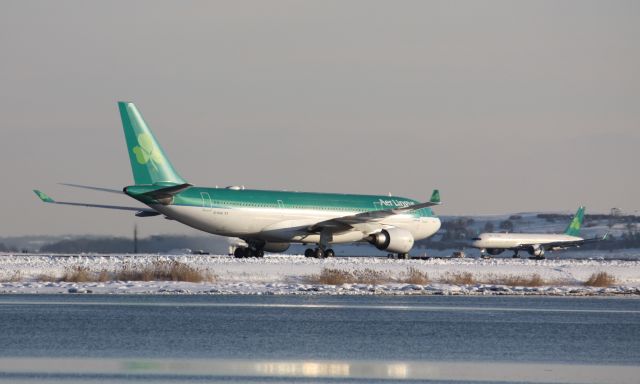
(92, 245)
(461, 229)
(457, 230)
(591, 218)
(4, 248)
(153, 244)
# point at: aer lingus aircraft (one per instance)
(265, 220)
(534, 243)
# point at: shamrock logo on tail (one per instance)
(146, 152)
(575, 224)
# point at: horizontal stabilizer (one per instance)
(164, 193)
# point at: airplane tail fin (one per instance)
(149, 164)
(573, 229)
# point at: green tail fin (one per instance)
(573, 229)
(149, 164)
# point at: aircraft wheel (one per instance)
(319, 253)
(259, 253)
(329, 253)
(309, 252)
(403, 256)
(240, 252)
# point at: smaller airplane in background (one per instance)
(534, 243)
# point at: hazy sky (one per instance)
(505, 106)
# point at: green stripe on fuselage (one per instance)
(246, 198)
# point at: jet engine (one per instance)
(396, 240)
(536, 250)
(276, 247)
(494, 251)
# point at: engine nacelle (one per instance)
(396, 240)
(494, 251)
(276, 247)
(536, 250)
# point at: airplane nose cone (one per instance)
(437, 225)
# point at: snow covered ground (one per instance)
(20, 273)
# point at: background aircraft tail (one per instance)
(149, 164)
(573, 229)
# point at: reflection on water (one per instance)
(229, 370)
(302, 369)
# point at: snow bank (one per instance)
(290, 275)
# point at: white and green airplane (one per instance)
(266, 220)
(535, 243)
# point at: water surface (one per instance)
(227, 330)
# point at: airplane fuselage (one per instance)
(515, 240)
(280, 216)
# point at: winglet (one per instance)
(43, 196)
(435, 197)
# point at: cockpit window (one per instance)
(476, 239)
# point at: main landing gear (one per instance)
(319, 253)
(322, 250)
(242, 252)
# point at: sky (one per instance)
(504, 106)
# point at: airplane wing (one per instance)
(346, 222)
(577, 243)
(140, 211)
(549, 246)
